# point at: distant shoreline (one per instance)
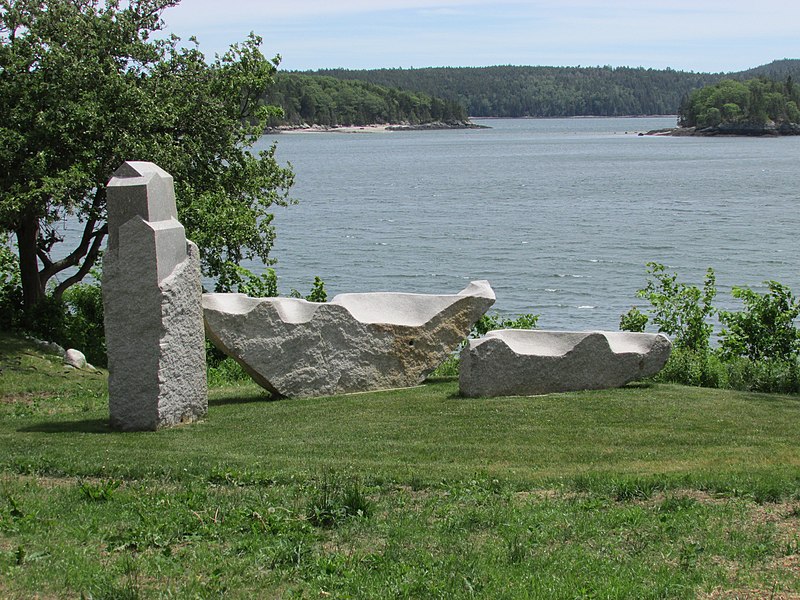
(374, 128)
(584, 117)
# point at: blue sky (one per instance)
(699, 35)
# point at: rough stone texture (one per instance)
(75, 358)
(152, 303)
(355, 343)
(523, 362)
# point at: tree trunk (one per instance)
(27, 238)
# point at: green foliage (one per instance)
(490, 322)
(696, 368)
(679, 309)
(765, 329)
(10, 288)
(257, 286)
(84, 328)
(522, 91)
(768, 375)
(448, 368)
(760, 346)
(317, 294)
(315, 99)
(223, 370)
(714, 370)
(87, 85)
(633, 320)
(73, 321)
(752, 102)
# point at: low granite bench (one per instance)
(526, 362)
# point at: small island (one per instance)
(318, 103)
(757, 107)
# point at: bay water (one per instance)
(560, 215)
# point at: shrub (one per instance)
(318, 293)
(714, 370)
(765, 375)
(83, 323)
(491, 322)
(74, 321)
(695, 368)
(257, 286)
(633, 320)
(678, 309)
(765, 329)
(224, 370)
(10, 288)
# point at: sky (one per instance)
(696, 35)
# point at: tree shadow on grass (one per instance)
(82, 426)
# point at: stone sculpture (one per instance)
(521, 362)
(355, 343)
(152, 303)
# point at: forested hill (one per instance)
(777, 70)
(327, 101)
(511, 91)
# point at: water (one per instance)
(560, 215)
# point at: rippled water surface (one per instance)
(560, 215)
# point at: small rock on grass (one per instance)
(75, 359)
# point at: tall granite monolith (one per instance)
(152, 302)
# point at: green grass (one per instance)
(644, 492)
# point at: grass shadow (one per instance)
(441, 379)
(639, 385)
(632, 386)
(234, 399)
(82, 426)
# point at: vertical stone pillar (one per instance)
(152, 302)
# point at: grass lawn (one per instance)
(643, 492)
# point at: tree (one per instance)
(84, 87)
(754, 102)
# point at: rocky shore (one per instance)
(375, 128)
(436, 125)
(733, 129)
